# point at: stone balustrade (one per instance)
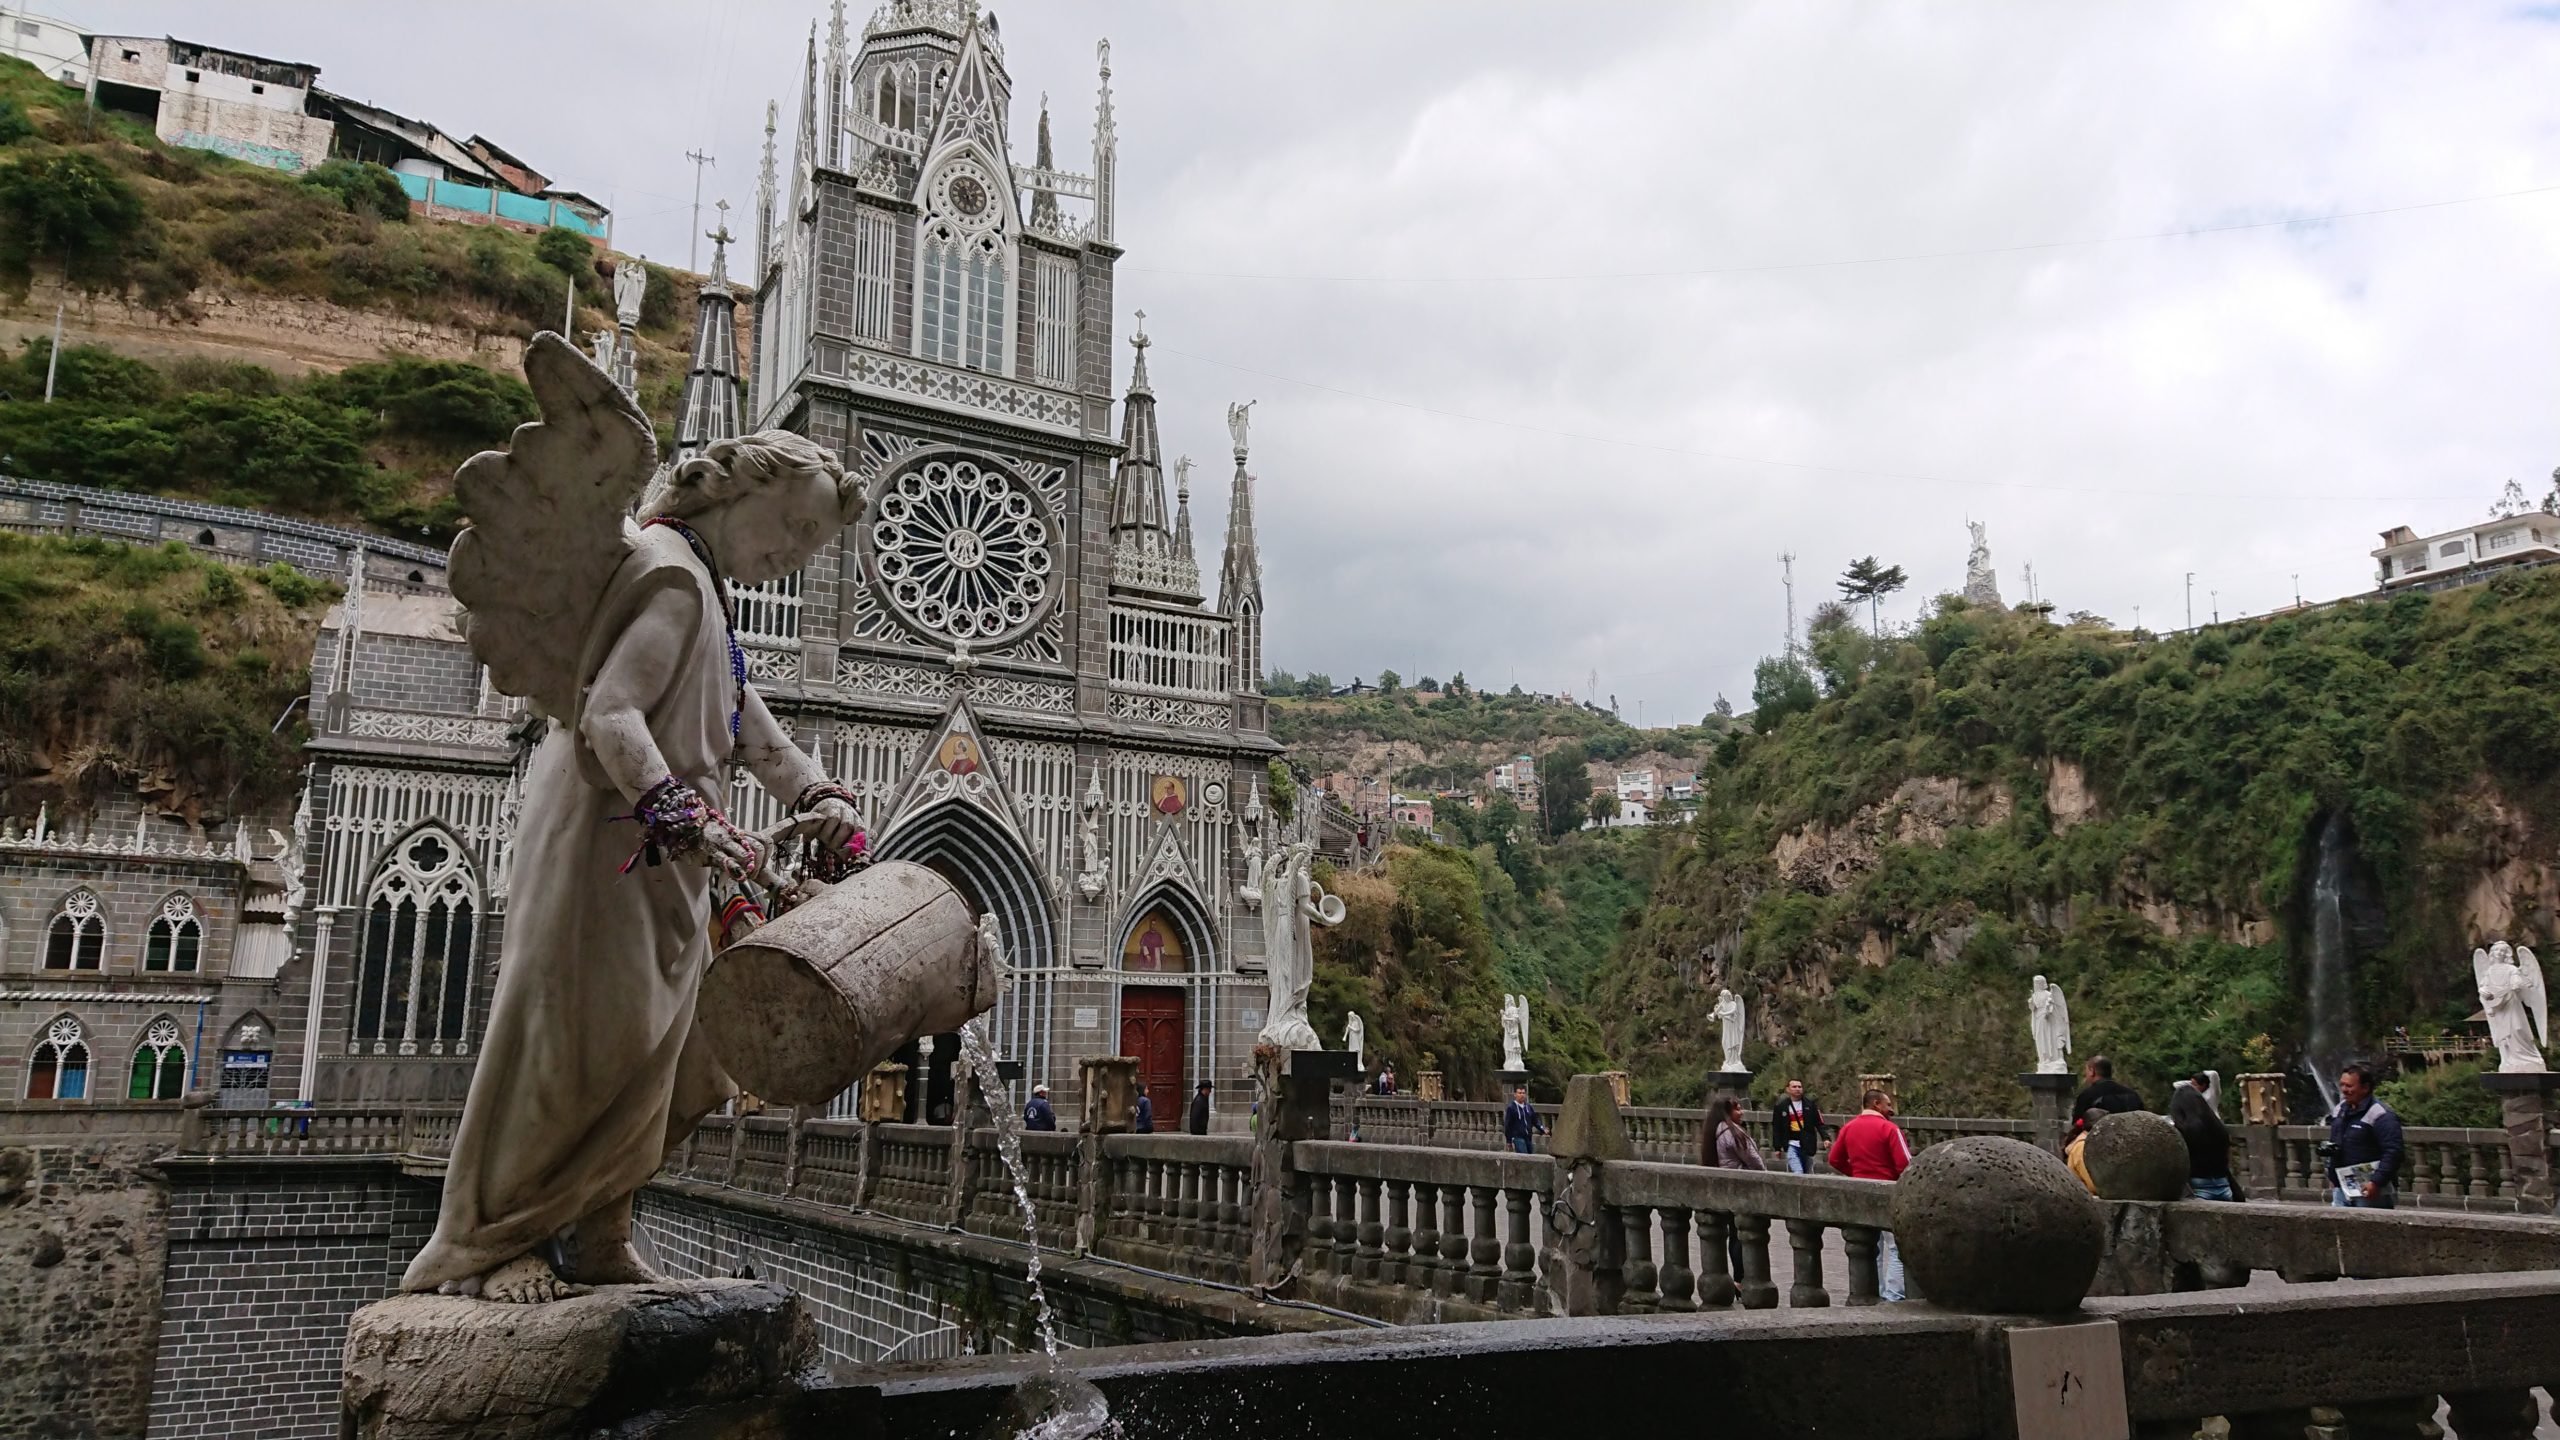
(1175, 1202)
(1419, 1234)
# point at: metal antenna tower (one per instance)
(1787, 577)
(693, 257)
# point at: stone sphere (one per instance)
(1997, 1226)
(2136, 1156)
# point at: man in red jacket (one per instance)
(1872, 1147)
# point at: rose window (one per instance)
(961, 549)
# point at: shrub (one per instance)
(565, 250)
(362, 187)
(14, 124)
(70, 210)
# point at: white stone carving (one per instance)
(960, 549)
(419, 727)
(767, 663)
(2517, 1008)
(1011, 692)
(630, 288)
(1728, 1013)
(896, 682)
(1515, 1033)
(1288, 945)
(1981, 584)
(1240, 419)
(1355, 1038)
(966, 389)
(2049, 1019)
(1165, 710)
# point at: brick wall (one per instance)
(80, 1259)
(266, 1261)
(405, 672)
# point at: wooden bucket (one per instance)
(803, 1007)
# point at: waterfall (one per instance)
(2332, 1003)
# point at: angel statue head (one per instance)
(762, 503)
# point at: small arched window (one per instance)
(159, 1064)
(413, 988)
(177, 938)
(887, 108)
(78, 937)
(59, 1070)
(962, 314)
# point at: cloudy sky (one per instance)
(1566, 321)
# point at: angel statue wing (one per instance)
(548, 524)
(2061, 1019)
(2537, 999)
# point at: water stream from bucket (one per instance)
(1054, 1405)
(2332, 1003)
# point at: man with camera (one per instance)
(2362, 1153)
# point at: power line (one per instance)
(1896, 259)
(1852, 471)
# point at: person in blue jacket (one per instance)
(1037, 1115)
(1146, 1121)
(1520, 1121)
(2364, 1145)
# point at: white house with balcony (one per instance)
(2405, 558)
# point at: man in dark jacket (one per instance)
(1795, 1129)
(2364, 1135)
(2100, 1090)
(1520, 1121)
(1199, 1110)
(1145, 1124)
(1037, 1115)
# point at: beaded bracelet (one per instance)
(676, 820)
(818, 862)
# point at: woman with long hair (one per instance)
(2208, 1143)
(1728, 1145)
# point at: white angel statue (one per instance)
(630, 289)
(1515, 1033)
(1355, 1038)
(618, 630)
(1291, 900)
(2049, 1020)
(1728, 1013)
(2515, 1004)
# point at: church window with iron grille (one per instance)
(77, 939)
(59, 1068)
(176, 941)
(414, 975)
(159, 1064)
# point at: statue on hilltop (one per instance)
(1981, 585)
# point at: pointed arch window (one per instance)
(414, 975)
(961, 314)
(177, 938)
(77, 940)
(159, 1064)
(59, 1070)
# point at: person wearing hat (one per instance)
(1199, 1110)
(1037, 1115)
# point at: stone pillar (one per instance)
(2526, 1100)
(1882, 1082)
(1430, 1086)
(1617, 1086)
(883, 1097)
(1586, 1249)
(1110, 1094)
(2261, 1111)
(1297, 1104)
(2049, 1107)
(1507, 1079)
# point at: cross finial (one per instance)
(1140, 339)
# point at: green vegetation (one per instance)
(2214, 759)
(373, 443)
(1463, 727)
(2449, 1094)
(152, 670)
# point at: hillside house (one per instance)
(227, 101)
(2404, 559)
(56, 47)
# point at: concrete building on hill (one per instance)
(2405, 559)
(206, 98)
(56, 47)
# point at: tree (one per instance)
(1458, 683)
(1780, 687)
(364, 188)
(1869, 580)
(1604, 806)
(565, 250)
(1426, 683)
(1388, 680)
(1724, 707)
(70, 210)
(1564, 785)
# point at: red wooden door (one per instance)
(1151, 1030)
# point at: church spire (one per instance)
(710, 408)
(1106, 151)
(1182, 514)
(764, 195)
(1044, 203)
(1142, 547)
(1240, 572)
(839, 77)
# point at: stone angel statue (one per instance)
(1515, 1032)
(1291, 901)
(630, 289)
(1355, 1038)
(2049, 1019)
(2517, 1007)
(1239, 420)
(620, 630)
(1728, 1013)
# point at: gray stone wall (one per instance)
(247, 537)
(265, 1264)
(405, 672)
(81, 1244)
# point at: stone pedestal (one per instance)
(1509, 1078)
(1586, 1246)
(2525, 1097)
(1617, 1080)
(1297, 1104)
(1430, 1085)
(2049, 1107)
(2262, 1099)
(884, 1094)
(1110, 1094)
(626, 1359)
(2261, 1112)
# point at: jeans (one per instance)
(1888, 1267)
(1520, 1145)
(2215, 1189)
(2383, 1199)
(1796, 1163)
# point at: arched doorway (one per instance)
(1168, 999)
(966, 846)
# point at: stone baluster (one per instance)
(1753, 1285)
(1346, 1226)
(2299, 1172)
(1423, 1270)
(1677, 1279)
(2409, 1417)
(1397, 1269)
(1519, 1278)
(1166, 1206)
(1715, 1266)
(1808, 1290)
(1484, 1248)
(1233, 1187)
(1453, 1240)
(1640, 1296)
(1319, 1247)
(1860, 1241)
(2494, 1414)
(1372, 1233)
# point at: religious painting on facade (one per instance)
(1154, 945)
(1169, 794)
(959, 755)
